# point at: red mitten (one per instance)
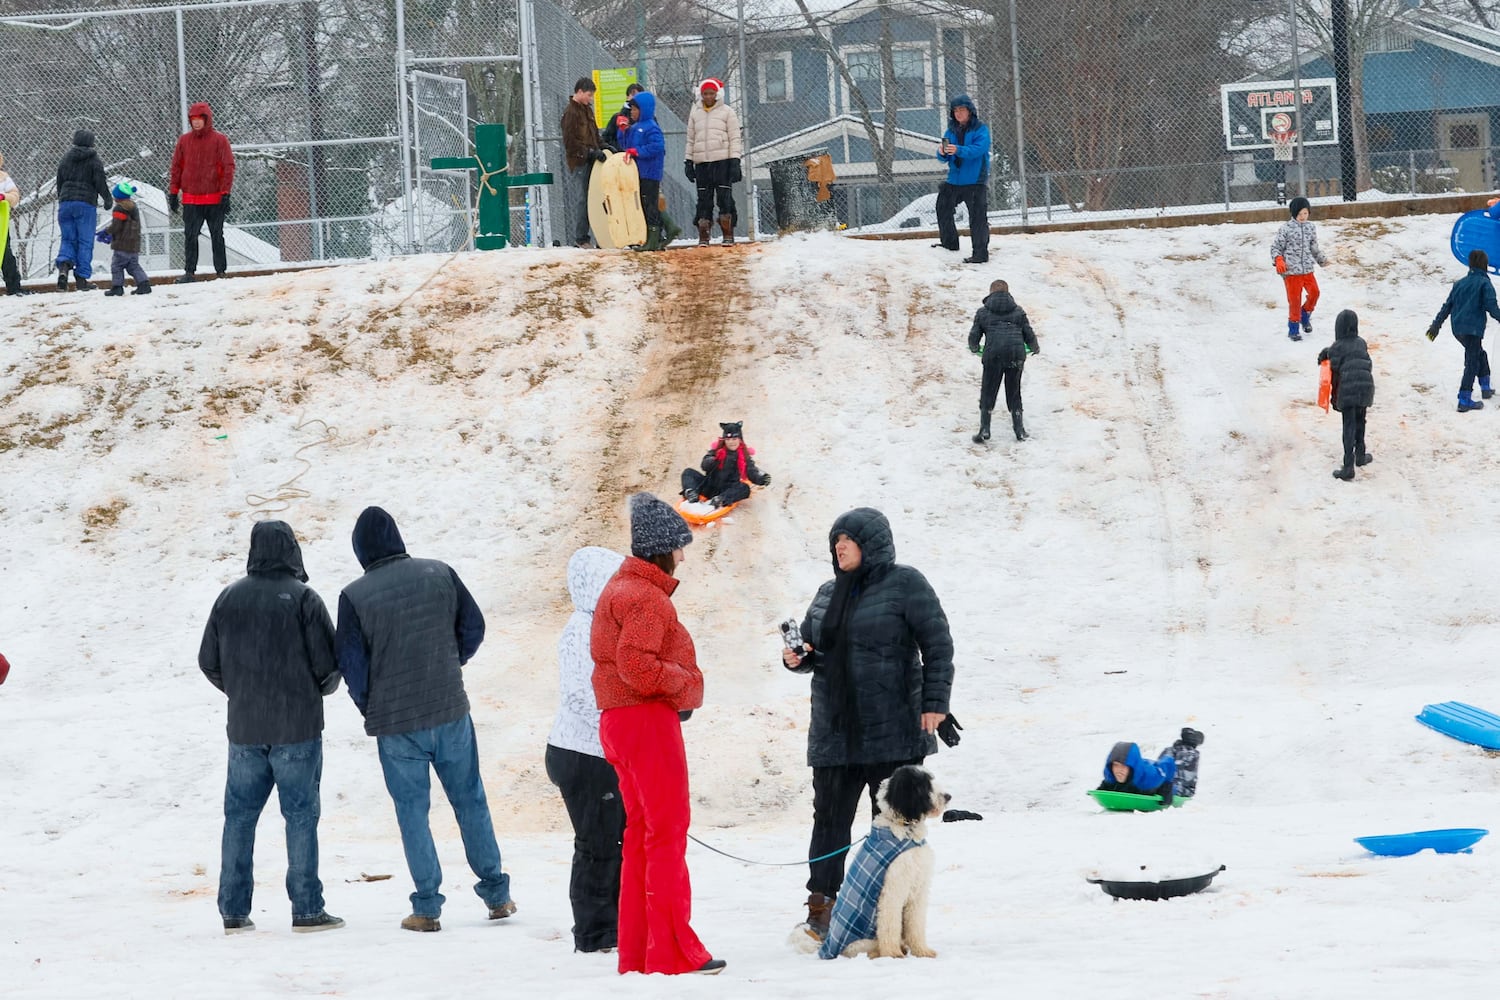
(1281, 265)
(4, 669)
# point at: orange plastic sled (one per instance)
(701, 517)
(1325, 385)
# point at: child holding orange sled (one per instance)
(1294, 251)
(1353, 390)
(728, 465)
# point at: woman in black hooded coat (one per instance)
(881, 658)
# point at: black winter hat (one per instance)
(1296, 205)
(655, 528)
(736, 429)
(83, 137)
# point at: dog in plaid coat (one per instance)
(881, 909)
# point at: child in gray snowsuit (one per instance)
(1294, 250)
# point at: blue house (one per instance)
(1431, 103)
(797, 97)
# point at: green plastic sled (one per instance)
(1128, 801)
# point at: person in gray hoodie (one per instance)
(405, 630)
(268, 646)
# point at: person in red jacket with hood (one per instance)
(202, 177)
(646, 680)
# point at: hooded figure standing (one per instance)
(647, 148)
(966, 149)
(268, 646)
(1008, 338)
(1353, 388)
(576, 765)
(1471, 298)
(714, 148)
(881, 658)
(81, 187)
(201, 180)
(406, 628)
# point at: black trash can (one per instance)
(795, 198)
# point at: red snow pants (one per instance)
(1298, 286)
(644, 743)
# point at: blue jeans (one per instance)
(75, 222)
(408, 760)
(295, 770)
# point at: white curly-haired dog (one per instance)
(881, 910)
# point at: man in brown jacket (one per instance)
(581, 149)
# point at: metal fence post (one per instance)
(747, 172)
(405, 124)
(182, 91)
(1226, 185)
(1047, 192)
(1015, 74)
(1411, 170)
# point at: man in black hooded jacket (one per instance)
(81, 187)
(1008, 338)
(268, 645)
(881, 658)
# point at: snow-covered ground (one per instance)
(1168, 549)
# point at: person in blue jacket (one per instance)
(1471, 297)
(1126, 770)
(645, 144)
(966, 150)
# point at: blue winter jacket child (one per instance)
(1472, 296)
(1147, 777)
(646, 139)
(970, 163)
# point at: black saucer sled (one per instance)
(1165, 889)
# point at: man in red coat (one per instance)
(202, 177)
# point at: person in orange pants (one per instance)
(646, 682)
(1294, 251)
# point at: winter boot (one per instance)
(425, 925)
(819, 912)
(1466, 402)
(1485, 392)
(653, 239)
(704, 225)
(1293, 330)
(1363, 458)
(505, 909)
(983, 434)
(669, 230)
(1306, 321)
(144, 288)
(62, 276)
(1344, 472)
(726, 223)
(83, 285)
(1185, 753)
(1020, 428)
(115, 290)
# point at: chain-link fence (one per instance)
(1096, 108)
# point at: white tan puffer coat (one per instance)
(713, 134)
(8, 189)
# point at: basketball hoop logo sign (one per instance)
(1263, 115)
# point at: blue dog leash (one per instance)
(775, 864)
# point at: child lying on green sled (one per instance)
(1172, 775)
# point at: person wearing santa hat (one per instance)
(713, 160)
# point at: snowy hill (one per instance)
(1168, 549)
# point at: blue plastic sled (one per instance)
(1463, 722)
(1478, 230)
(1399, 845)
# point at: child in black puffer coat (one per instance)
(1348, 360)
(1008, 338)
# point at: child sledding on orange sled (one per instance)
(728, 471)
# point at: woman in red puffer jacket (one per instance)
(646, 680)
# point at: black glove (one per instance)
(224, 202)
(597, 155)
(955, 815)
(174, 203)
(687, 169)
(764, 480)
(1432, 333)
(685, 714)
(948, 730)
(734, 171)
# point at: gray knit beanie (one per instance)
(655, 528)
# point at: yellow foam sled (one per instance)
(4, 223)
(615, 203)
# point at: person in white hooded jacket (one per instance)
(576, 765)
(713, 160)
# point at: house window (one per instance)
(776, 78)
(911, 70)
